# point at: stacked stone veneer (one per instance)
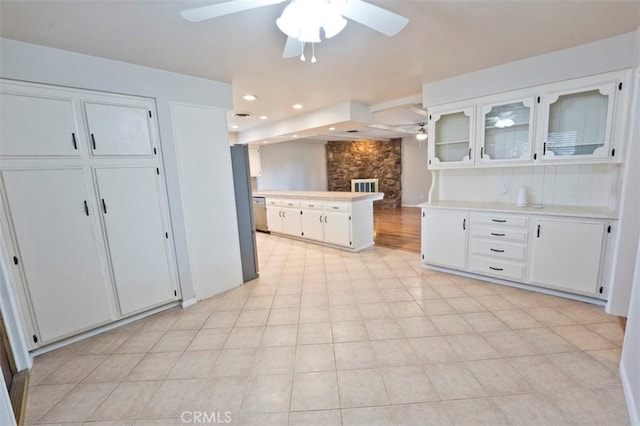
(365, 159)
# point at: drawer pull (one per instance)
(496, 250)
(495, 269)
(499, 220)
(497, 235)
(335, 208)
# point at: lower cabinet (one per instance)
(56, 228)
(567, 254)
(284, 217)
(444, 237)
(560, 253)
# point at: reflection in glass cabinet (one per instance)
(452, 138)
(577, 123)
(507, 131)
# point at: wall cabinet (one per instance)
(565, 122)
(444, 237)
(85, 222)
(560, 253)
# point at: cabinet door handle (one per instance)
(469, 153)
(280, 213)
(93, 141)
(284, 214)
(496, 250)
(495, 269)
(73, 138)
(464, 224)
(320, 218)
(538, 234)
(325, 219)
(499, 220)
(104, 206)
(544, 148)
(482, 152)
(497, 235)
(86, 208)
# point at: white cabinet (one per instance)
(119, 130)
(567, 254)
(274, 216)
(55, 222)
(255, 166)
(37, 126)
(337, 224)
(284, 217)
(444, 237)
(313, 220)
(577, 124)
(505, 131)
(452, 137)
(131, 206)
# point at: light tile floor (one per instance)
(326, 337)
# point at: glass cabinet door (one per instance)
(452, 138)
(578, 124)
(506, 132)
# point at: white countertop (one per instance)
(573, 211)
(321, 195)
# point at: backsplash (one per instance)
(592, 185)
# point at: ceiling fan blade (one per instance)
(292, 48)
(198, 14)
(374, 17)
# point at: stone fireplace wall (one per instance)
(365, 159)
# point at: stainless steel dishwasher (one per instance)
(260, 213)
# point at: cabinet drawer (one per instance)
(500, 234)
(498, 250)
(290, 203)
(337, 207)
(497, 268)
(499, 220)
(311, 205)
(273, 202)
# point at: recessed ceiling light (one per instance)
(295, 136)
(266, 142)
(249, 97)
(234, 126)
(297, 106)
(332, 128)
(263, 117)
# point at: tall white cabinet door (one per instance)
(118, 130)
(337, 228)
(291, 221)
(566, 254)
(445, 237)
(131, 206)
(56, 230)
(274, 219)
(31, 126)
(312, 225)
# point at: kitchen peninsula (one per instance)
(339, 219)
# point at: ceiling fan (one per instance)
(301, 20)
(420, 133)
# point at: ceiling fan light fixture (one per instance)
(421, 136)
(302, 20)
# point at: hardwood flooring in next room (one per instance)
(397, 228)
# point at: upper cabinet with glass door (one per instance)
(452, 141)
(577, 124)
(505, 131)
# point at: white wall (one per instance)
(416, 179)
(214, 267)
(630, 360)
(296, 166)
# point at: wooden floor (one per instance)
(397, 228)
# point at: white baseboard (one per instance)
(634, 415)
(190, 302)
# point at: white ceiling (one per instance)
(443, 39)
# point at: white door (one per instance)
(31, 126)
(337, 228)
(56, 225)
(566, 254)
(312, 224)
(274, 219)
(138, 244)
(118, 130)
(291, 221)
(445, 237)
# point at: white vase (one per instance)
(522, 197)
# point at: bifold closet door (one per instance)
(136, 236)
(56, 231)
